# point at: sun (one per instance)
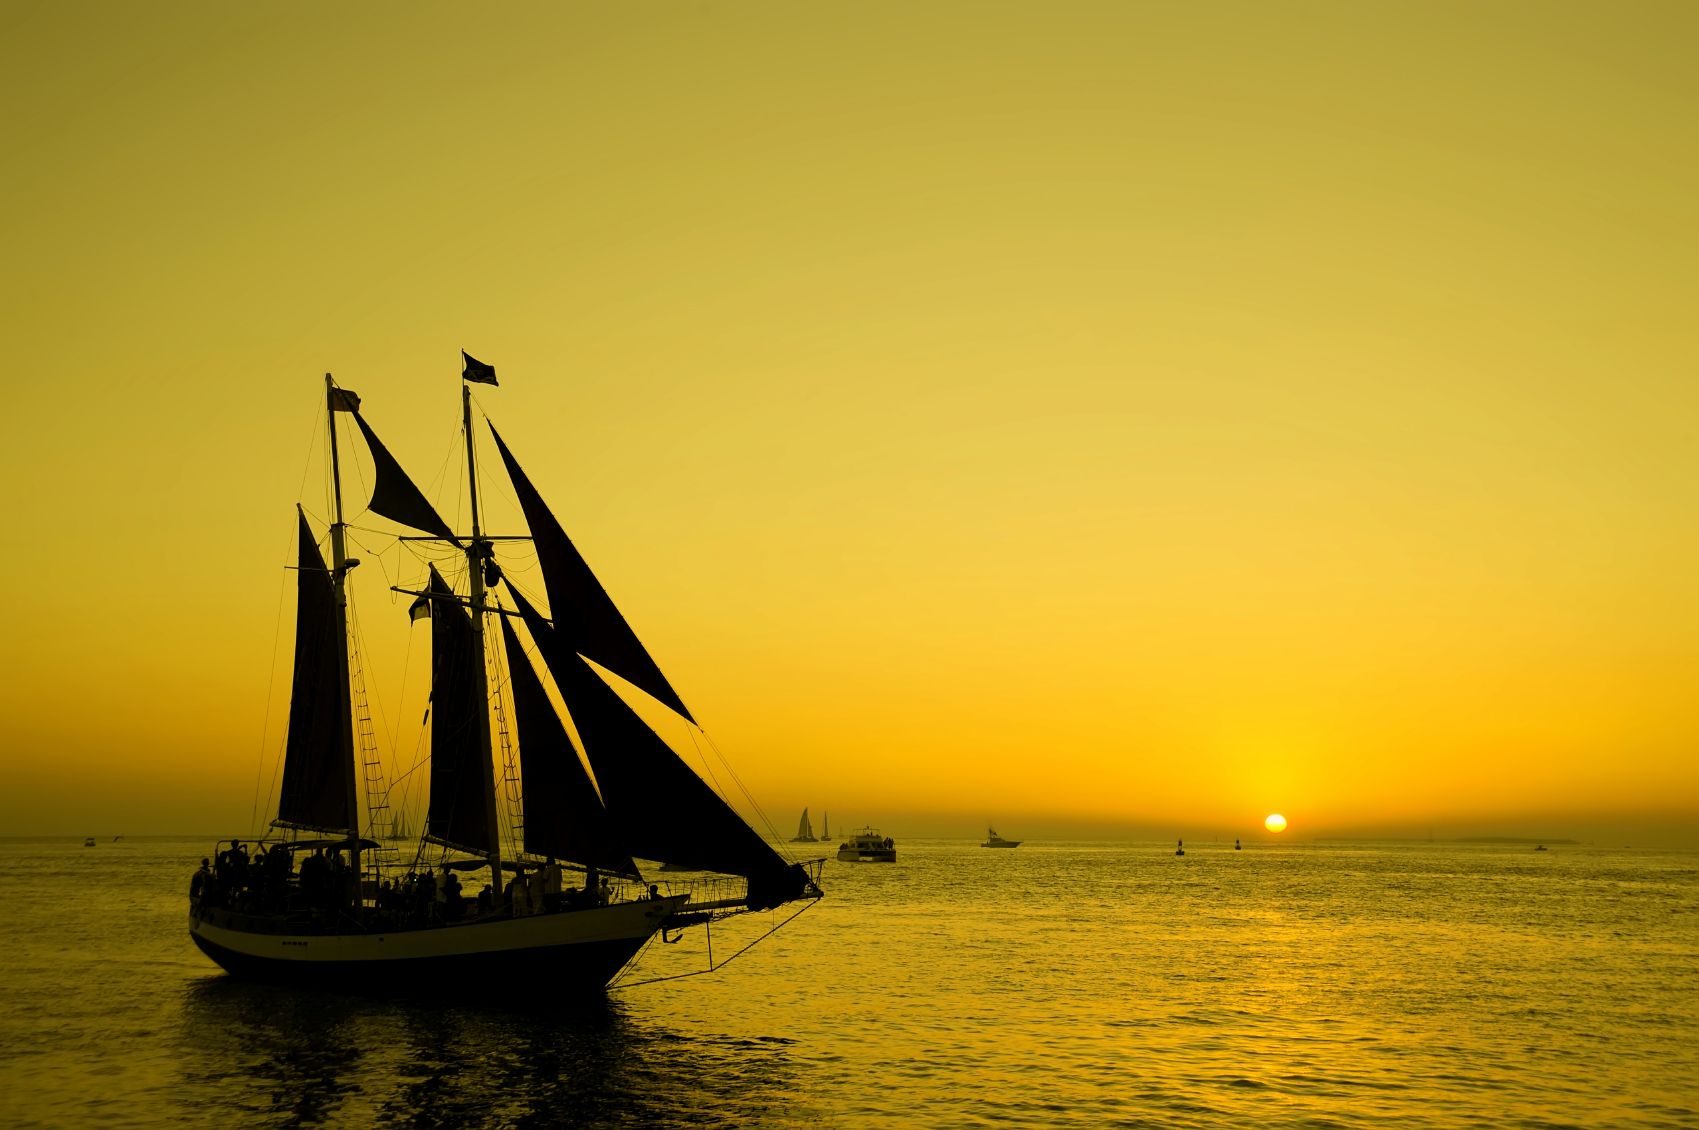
(1275, 823)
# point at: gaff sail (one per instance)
(458, 814)
(317, 775)
(564, 817)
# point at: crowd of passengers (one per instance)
(267, 882)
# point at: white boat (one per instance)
(319, 901)
(992, 839)
(804, 831)
(867, 846)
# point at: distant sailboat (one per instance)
(804, 831)
(825, 828)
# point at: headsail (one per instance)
(664, 811)
(583, 612)
(564, 817)
(317, 774)
(457, 816)
(394, 495)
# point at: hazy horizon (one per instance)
(1651, 829)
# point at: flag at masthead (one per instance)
(475, 370)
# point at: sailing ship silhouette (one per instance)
(276, 920)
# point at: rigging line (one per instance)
(371, 691)
(504, 484)
(270, 694)
(359, 470)
(767, 821)
(513, 796)
(395, 733)
(719, 788)
(742, 788)
(312, 445)
(442, 468)
(618, 983)
(390, 580)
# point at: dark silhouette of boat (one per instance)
(867, 846)
(804, 831)
(321, 899)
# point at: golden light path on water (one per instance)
(1060, 985)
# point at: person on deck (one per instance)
(520, 892)
(451, 897)
(551, 885)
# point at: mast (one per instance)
(477, 549)
(339, 566)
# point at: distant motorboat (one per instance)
(804, 831)
(992, 839)
(868, 846)
(88, 841)
(1542, 847)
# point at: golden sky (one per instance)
(1152, 415)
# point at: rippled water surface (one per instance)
(1056, 985)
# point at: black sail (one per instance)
(583, 612)
(458, 815)
(317, 771)
(564, 817)
(394, 495)
(663, 810)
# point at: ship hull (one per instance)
(566, 953)
(866, 855)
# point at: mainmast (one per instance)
(477, 553)
(340, 563)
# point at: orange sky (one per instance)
(1146, 415)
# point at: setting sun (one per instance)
(1275, 823)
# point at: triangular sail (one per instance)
(805, 830)
(393, 493)
(664, 811)
(583, 612)
(458, 814)
(316, 769)
(564, 817)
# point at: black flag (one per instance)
(476, 371)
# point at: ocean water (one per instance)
(1056, 985)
